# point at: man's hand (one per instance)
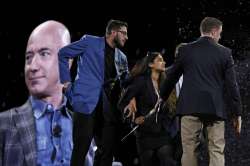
(131, 108)
(237, 125)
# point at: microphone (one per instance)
(57, 131)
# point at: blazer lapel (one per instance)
(152, 90)
(25, 124)
(117, 60)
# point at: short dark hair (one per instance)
(115, 25)
(209, 23)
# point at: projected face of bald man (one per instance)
(41, 59)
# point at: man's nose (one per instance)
(126, 37)
(35, 63)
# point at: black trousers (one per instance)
(105, 127)
(83, 129)
(162, 156)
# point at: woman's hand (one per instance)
(139, 120)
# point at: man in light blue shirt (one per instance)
(39, 133)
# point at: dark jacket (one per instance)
(143, 90)
(207, 69)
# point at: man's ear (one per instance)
(214, 31)
(113, 32)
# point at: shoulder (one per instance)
(182, 46)
(6, 118)
(140, 80)
(180, 50)
(224, 49)
(194, 44)
(94, 41)
(6, 113)
(90, 37)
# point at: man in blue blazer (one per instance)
(207, 68)
(101, 67)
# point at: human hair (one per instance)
(115, 25)
(209, 23)
(142, 66)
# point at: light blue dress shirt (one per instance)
(54, 148)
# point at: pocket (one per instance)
(43, 149)
(42, 143)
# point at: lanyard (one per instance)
(157, 106)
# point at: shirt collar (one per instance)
(40, 107)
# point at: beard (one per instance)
(117, 42)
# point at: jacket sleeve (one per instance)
(232, 86)
(68, 52)
(173, 74)
(4, 123)
(131, 91)
(1, 147)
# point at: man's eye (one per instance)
(45, 53)
(28, 56)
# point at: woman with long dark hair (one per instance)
(153, 139)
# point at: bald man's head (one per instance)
(41, 62)
(54, 29)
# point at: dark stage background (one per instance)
(150, 28)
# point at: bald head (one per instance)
(55, 29)
(41, 62)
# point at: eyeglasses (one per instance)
(125, 33)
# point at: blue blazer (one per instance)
(85, 91)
